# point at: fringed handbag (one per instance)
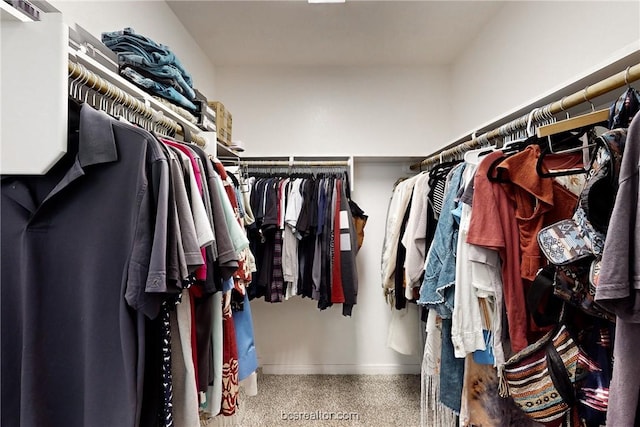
(540, 377)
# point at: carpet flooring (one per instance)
(332, 400)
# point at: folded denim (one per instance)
(148, 53)
(141, 51)
(156, 88)
(164, 81)
(166, 71)
(156, 53)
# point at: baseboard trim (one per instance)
(340, 369)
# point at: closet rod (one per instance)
(96, 83)
(295, 163)
(609, 84)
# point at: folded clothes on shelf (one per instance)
(152, 66)
(152, 86)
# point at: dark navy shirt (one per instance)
(83, 260)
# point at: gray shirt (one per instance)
(619, 286)
(187, 229)
(176, 263)
(81, 248)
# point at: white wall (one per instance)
(360, 111)
(153, 19)
(532, 47)
(366, 111)
(295, 337)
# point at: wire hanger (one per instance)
(627, 72)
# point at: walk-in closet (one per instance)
(319, 213)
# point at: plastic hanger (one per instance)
(524, 138)
(441, 170)
(571, 134)
(571, 140)
(473, 156)
(590, 119)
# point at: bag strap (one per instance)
(541, 286)
(559, 375)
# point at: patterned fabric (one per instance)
(230, 383)
(594, 275)
(570, 240)
(574, 183)
(593, 391)
(624, 109)
(573, 244)
(583, 235)
(571, 284)
(481, 403)
(167, 382)
(436, 195)
(277, 278)
(530, 383)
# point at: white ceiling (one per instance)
(354, 33)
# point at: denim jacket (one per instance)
(440, 267)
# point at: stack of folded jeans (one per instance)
(151, 66)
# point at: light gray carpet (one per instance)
(367, 400)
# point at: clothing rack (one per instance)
(616, 81)
(295, 163)
(154, 119)
(292, 163)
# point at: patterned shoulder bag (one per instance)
(540, 377)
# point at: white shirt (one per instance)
(415, 236)
(397, 208)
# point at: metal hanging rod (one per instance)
(348, 164)
(621, 79)
(294, 163)
(81, 75)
